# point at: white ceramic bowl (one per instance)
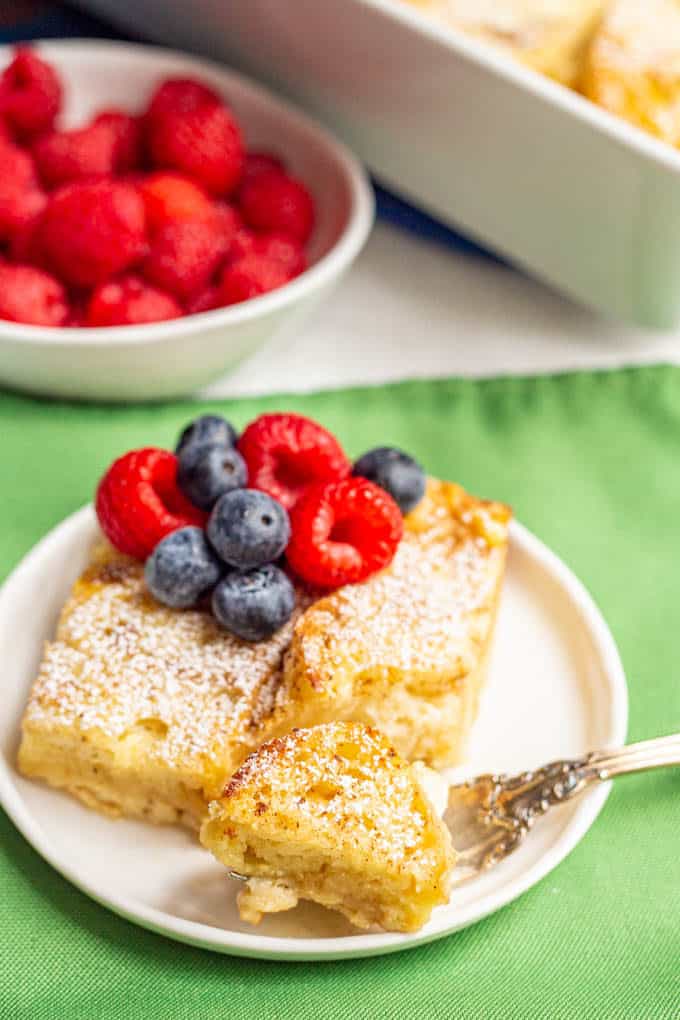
(167, 359)
(578, 197)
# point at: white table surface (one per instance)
(411, 309)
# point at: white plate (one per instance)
(556, 688)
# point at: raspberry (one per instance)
(169, 198)
(20, 196)
(127, 301)
(19, 215)
(127, 131)
(184, 256)
(285, 453)
(279, 203)
(30, 295)
(279, 247)
(342, 532)
(17, 167)
(251, 276)
(241, 244)
(181, 95)
(92, 230)
(64, 156)
(30, 94)
(258, 163)
(204, 143)
(205, 301)
(138, 502)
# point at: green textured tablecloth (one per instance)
(591, 463)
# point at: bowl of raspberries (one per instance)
(160, 218)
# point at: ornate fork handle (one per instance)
(493, 813)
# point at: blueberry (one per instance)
(248, 528)
(207, 471)
(209, 428)
(255, 604)
(396, 472)
(181, 568)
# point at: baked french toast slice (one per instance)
(333, 814)
(145, 711)
(141, 710)
(406, 650)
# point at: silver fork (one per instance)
(489, 816)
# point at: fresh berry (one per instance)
(182, 568)
(204, 143)
(32, 296)
(90, 231)
(129, 300)
(251, 276)
(184, 257)
(170, 198)
(283, 249)
(127, 132)
(258, 163)
(181, 95)
(254, 605)
(207, 472)
(30, 95)
(342, 532)
(277, 202)
(19, 212)
(17, 168)
(248, 528)
(396, 473)
(285, 453)
(241, 243)
(64, 156)
(276, 247)
(205, 301)
(138, 502)
(208, 429)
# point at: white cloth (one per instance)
(412, 309)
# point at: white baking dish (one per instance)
(524, 166)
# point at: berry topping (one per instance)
(171, 198)
(248, 528)
(206, 472)
(204, 143)
(127, 301)
(251, 276)
(184, 256)
(181, 95)
(30, 295)
(209, 428)
(280, 203)
(64, 156)
(92, 230)
(138, 501)
(396, 473)
(30, 94)
(285, 453)
(182, 568)
(256, 604)
(343, 532)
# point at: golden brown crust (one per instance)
(335, 815)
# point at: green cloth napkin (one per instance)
(591, 463)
